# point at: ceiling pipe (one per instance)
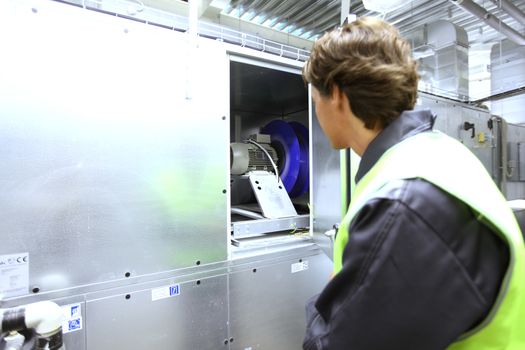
(511, 9)
(491, 20)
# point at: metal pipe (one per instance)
(511, 9)
(491, 20)
(45, 317)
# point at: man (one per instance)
(428, 256)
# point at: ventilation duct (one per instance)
(507, 62)
(491, 20)
(441, 48)
(511, 9)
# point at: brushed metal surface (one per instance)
(75, 340)
(325, 184)
(195, 319)
(267, 302)
(515, 189)
(507, 62)
(252, 228)
(111, 156)
(451, 117)
(271, 195)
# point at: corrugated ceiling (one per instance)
(310, 18)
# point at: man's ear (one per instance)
(338, 98)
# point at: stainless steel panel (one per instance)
(325, 185)
(510, 108)
(451, 117)
(271, 195)
(521, 161)
(251, 228)
(512, 162)
(75, 340)
(482, 150)
(507, 62)
(195, 319)
(114, 146)
(267, 302)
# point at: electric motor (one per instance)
(246, 157)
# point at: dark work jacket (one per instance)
(418, 270)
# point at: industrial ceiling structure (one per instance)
(289, 28)
(310, 18)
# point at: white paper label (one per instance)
(14, 275)
(165, 292)
(72, 318)
(300, 266)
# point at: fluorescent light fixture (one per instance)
(383, 6)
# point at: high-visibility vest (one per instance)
(446, 163)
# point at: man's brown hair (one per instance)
(370, 62)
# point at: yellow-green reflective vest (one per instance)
(446, 163)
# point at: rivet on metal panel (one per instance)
(198, 262)
(127, 274)
(34, 10)
(300, 260)
(254, 270)
(198, 282)
(36, 289)
(223, 191)
(225, 341)
(128, 296)
(231, 340)
(223, 117)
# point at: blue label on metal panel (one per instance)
(74, 324)
(165, 292)
(174, 290)
(75, 309)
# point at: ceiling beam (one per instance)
(491, 20)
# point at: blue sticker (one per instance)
(174, 290)
(74, 324)
(74, 310)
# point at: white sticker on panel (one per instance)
(300, 266)
(165, 292)
(14, 275)
(72, 320)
